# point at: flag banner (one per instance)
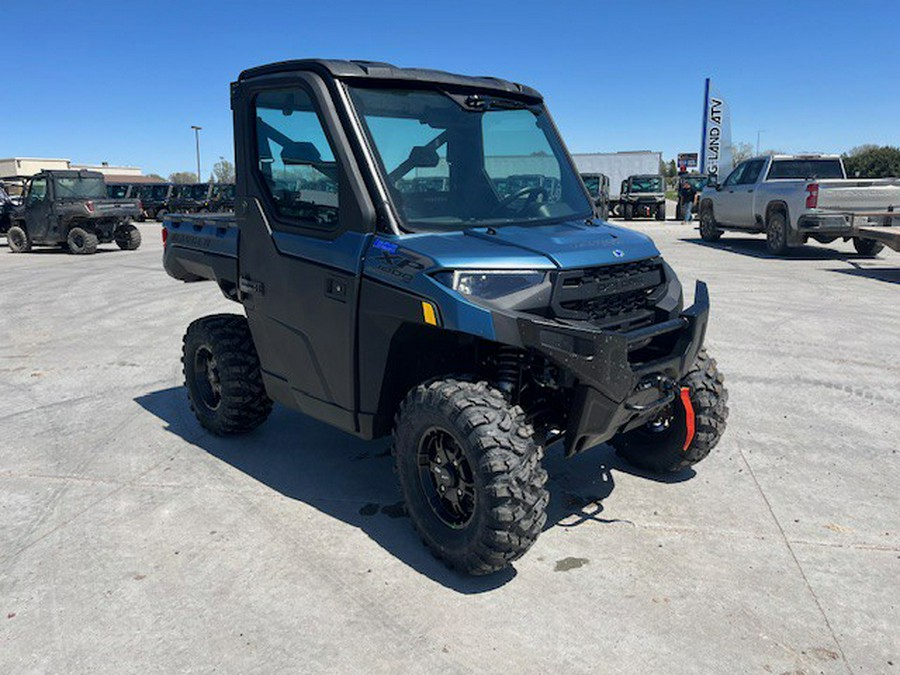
(715, 151)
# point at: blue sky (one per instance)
(123, 81)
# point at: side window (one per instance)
(38, 191)
(295, 160)
(735, 176)
(751, 173)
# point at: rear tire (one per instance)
(867, 247)
(82, 242)
(128, 237)
(470, 473)
(222, 375)
(776, 233)
(629, 212)
(708, 229)
(660, 211)
(659, 445)
(18, 240)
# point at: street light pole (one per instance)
(758, 132)
(197, 139)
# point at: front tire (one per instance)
(222, 375)
(629, 212)
(660, 211)
(776, 233)
(470, 473)
(82, 242)
(659, 446)
(867, 247)
(18, 240)
(128, 237)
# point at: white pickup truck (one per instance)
(794, 198)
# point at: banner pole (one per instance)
(705, 118)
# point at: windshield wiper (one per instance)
(490, 103)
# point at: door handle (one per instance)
(336, 289)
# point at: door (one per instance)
(743, 192)
(725, 208)
(38, 202)
(305, 220)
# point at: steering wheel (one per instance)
(531, 194)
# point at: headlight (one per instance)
(490, 284)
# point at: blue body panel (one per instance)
(408, 261)
(344, 252)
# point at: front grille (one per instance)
(614, 296)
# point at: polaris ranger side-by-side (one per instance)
(643, 197)
(476, 324)
(71, 209)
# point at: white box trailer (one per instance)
(618, 166)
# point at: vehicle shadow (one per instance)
(756, 248)
(353, 480)
(889, 275)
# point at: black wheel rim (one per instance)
(447, 479)
(78, 241)
(206, 378)
(775, 234)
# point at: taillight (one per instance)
(89, 205)
(812, 195)
(165, 235)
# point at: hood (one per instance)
(568, 245)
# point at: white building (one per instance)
(23, 167)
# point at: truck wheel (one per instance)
(659, 446)
(17, 239)
(127, 237)
(470, 473)
(629, 212)
(222, 375)
(867, 247)
(776, 233)
(660, 211)
(708, 229)
(82, 242)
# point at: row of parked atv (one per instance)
(78, 210)
(157, 199)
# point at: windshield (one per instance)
(454, 161)
(157, 192)
(697, 182)
(592, 183)
(646, 184)
(806, 168)
(116, 191)
(80, 187)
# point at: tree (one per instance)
(872, 161)
(156, 176)
(223, 171)
(671, 169)
(183, 177)
(740, 152)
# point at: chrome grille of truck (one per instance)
(613, 296)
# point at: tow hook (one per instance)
(666, 385)
(689, 417)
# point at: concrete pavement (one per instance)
(132, 541)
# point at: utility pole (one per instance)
(758, 132)
(197, 139)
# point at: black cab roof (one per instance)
(375, 70)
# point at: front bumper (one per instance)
(624, 378)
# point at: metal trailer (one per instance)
(885, 228)
(618, 166)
